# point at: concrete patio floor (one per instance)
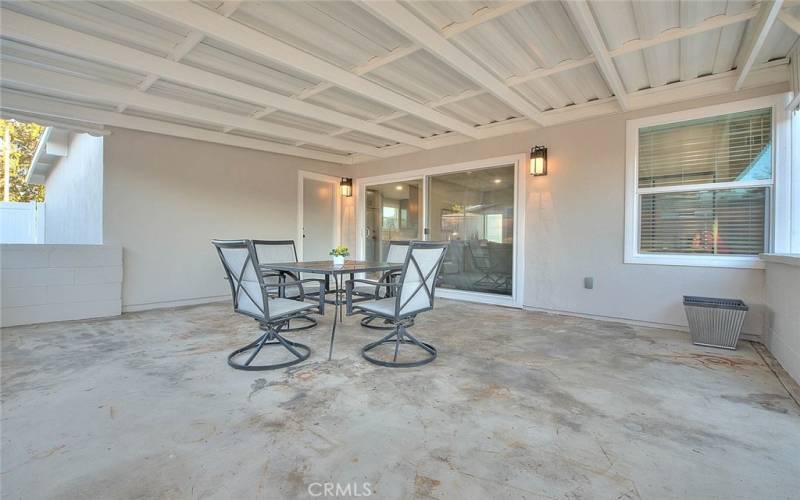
(518, 405)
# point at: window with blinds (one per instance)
(703, 186)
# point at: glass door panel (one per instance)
(474, 211)
(393, 211)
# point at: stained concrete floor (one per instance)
(518, 405)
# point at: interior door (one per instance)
(319, 209)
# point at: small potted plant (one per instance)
(339, 253)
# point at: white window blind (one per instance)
(703, 186)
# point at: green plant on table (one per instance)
(340, 251)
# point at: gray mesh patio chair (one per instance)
(251, 298)
(493, 261)
(413, 293)
(396, 254)
(274, 251)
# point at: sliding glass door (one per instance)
(474, 211)
(393, 211)
(473, 206)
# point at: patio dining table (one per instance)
(329, 270)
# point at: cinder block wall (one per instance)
(43, 283)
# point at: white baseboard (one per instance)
(612, 319)
(626, 321)
(174, 303)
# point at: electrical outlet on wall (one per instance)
(588, 283)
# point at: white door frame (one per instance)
(302, 175)
(520, 162)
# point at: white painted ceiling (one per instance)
(353, 81)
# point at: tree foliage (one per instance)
(24, 138)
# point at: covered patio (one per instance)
(547, 406)
(400, 249)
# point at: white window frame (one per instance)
(777, 224)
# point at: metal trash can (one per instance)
(714, 322)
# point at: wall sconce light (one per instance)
(346, 187)
(538, 160)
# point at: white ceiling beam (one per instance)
(720, 84)
(543, 72)
(396, 15)
(36, 79)
(482, 15)
(40, 33)
(790, 21)
(582, 15)
(11, 101)
(673, 34)
(755, 36)
(77, 126)
(213, 25)
(670, 35)
(176, 54)
(479, 17)
(185, 46)
(794, 77)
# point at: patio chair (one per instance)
(412, 293)
(489, 259)
(251, 298)
(273, 251)
(397, 253)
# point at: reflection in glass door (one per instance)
(393, 212)
(474, 211)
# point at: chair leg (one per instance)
(271, 337)
(399, 336)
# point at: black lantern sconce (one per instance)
(346, 187)
(538, 160)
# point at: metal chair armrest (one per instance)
(387, 278)
(299, 284)
(350, 286)
(281, 275)
(370, 282)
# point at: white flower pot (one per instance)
(338, 260)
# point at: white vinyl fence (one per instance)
(21, 222)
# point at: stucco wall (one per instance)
(783, 311)
(74, 194)
(166, 198)
(575, 225)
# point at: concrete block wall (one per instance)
(43, 283)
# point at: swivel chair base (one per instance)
(399, 336)
(270, 338)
